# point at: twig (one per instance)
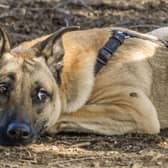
(81, 144)
(84, 4)
(4, 6)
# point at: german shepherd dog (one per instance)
(51, 84)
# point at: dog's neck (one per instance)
(77, 81)
(78, 73)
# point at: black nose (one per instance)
(18, 131)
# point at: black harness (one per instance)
(111, 46)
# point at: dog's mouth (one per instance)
(16, 142)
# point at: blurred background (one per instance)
(26, 19)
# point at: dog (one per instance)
(59, 83)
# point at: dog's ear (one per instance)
(4, 42)
(52, 50)
(52, 46)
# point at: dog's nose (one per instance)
(19, 131)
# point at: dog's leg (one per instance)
(133, 112)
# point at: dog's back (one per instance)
(137, 69)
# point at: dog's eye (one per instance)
(42, 95)
(4, 89)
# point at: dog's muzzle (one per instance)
(16, 132)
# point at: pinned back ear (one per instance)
(52, 50)
(4, 42)
(45, 48)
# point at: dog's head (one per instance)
(29, 89)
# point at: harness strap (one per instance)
(110, 47)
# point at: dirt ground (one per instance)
(26, 19)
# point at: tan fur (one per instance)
(110, 109)
(129, 94)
